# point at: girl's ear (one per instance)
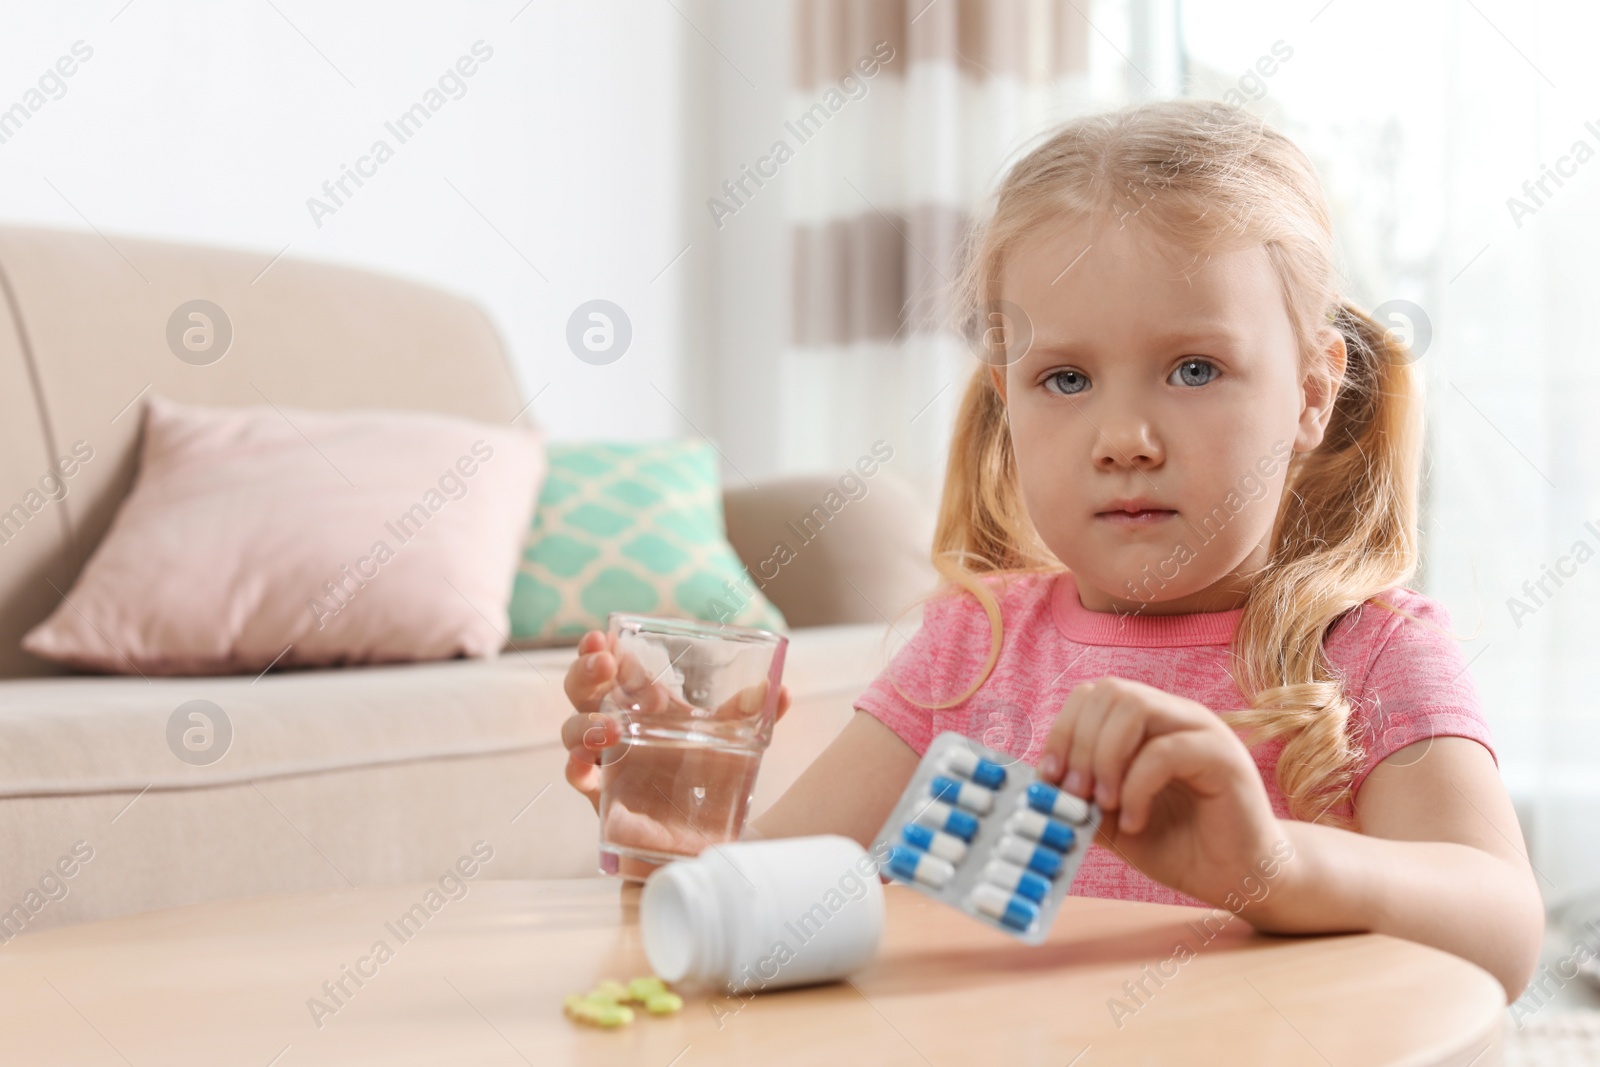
(1319, 390)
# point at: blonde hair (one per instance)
(1196, 172)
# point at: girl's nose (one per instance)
(1127, 441)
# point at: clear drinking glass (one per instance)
(696, 702)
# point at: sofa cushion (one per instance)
(268, 535)
(117, 734)
(633, 527)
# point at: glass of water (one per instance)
(696, 702)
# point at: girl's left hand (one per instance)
(1182, 798)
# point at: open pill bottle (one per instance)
(748, 916)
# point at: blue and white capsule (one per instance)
(914, 865)
(1052, 801)
(1008, 875)
(968, 795)
(1041, 828)
(1005, 908)
(1041, 858)
(938, 815)
(968, 764)
(945, 846)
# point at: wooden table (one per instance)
(481, 981)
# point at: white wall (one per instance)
(739, 300)
(216, 122)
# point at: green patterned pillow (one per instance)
(630, 527)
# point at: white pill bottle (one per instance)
(750, 916)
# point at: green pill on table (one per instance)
(612, 990)
(642, 989)
(580, 1007)
(606, 1004)
(597, 1011)
(662, 1003)
(613, 1015)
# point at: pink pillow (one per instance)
(265, 535)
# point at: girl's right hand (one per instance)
(586, 734)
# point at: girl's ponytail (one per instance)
(1347, 531)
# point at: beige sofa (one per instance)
(356, 776)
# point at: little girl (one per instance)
(1180, 509)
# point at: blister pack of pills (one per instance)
(977, 830)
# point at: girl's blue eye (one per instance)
(1194, 372)
(1071, 382)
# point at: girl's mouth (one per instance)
(1142, 518)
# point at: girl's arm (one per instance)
(1438, 860)
(849, 789)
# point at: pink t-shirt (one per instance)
(1406, 682)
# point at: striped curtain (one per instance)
(905, 115)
